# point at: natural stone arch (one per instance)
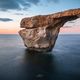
(41, 31)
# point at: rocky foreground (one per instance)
(40, 32)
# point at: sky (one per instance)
(12, 11)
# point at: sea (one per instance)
(62, 63)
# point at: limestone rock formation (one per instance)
(41, 31)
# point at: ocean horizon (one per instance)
(62, 63)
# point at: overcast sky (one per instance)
(12, 11)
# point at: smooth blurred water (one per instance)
(63, 63)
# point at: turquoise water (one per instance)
(63, 63)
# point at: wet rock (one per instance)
(41, 31)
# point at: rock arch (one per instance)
(41, 31)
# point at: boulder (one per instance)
(40, 32)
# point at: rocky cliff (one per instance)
(41, 31)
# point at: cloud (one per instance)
(8, 4)
(5, 19)
(18, 14)
(16, 4)
(34, 1)
(54, 1)
(19, 4)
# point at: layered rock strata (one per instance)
(41, 31)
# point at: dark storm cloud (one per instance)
(19, 4)
(5, 19)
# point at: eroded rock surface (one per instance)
(41, 31)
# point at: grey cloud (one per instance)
(54, 1)
(8, 4)
(18, 14)
(5, 19)
(33, 1)
(19, 4)
(16, 4)
(67, 26)
(71, 21)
